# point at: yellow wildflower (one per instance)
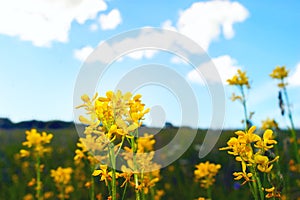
(104, 174)
(239, 79)
(24, 153)
(28, 197)
(34, 138)
(269, 124)
(36, 141)
(62, 175)
(279, 73)
(159, 194)
(240, 175)
(146, 143)
(267, 142)
(272, 192)
(205, 173)
(263, 163)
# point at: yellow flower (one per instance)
(293, 166)
(279, 73)
(24, 153)
(269, 124)
(241, 146)
(267, 142)
(240, 175)
(126, 174)
(28, 197)
(263, 163)
(103, 172)
(248, 136)
(272, 192)
(32, 182)
(145, 143)
(205, 173)
(62, 175)
(159, 194)
(147, 183)
(34, 138)
(36, 141)
(79, 154)
(48, 195)
(239, 79)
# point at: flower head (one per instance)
(240, 79)
(269, 124)
(36, 142)
(205, 173)
(272, 192)
(267, 141)
(62, 175)
(279, 73)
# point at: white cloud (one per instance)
(43, 22)
(168, 25)
(205, 21)
(294, 79)
(225, 65)
(83, 53)
(94, 27)
(111, 20)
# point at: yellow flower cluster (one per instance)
(272, 193)
(269, 124)
(62, 178)
(115, 115)
(113, 124)
(239, 79)
(36, 142)
(249, 149)
(279, 73)
(205, 173)
(141, 165)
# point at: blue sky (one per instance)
(43, 47)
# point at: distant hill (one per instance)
(55, 124)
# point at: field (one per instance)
(177, 180)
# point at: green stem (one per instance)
(152, 191)
(92, 190)
(117, 153)
(135, 176)
(261, 193)
(245, 107)
(209, 196)
(251, 188)
(293, 132)
(254, 183)
(113, 163)
(124, 191)
(62, 192)
(38, 178)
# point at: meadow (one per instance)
(177, 180)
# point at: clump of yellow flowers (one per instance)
(281, 73)
(250, 150)
(241, 80)
(112, 131)
(36, 148)
(62, 178)
(269, 124)
(205, 174)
